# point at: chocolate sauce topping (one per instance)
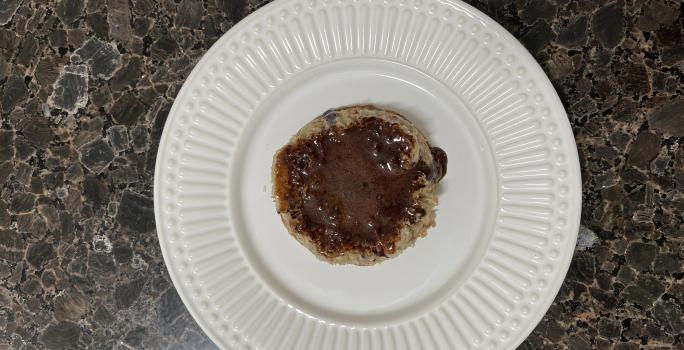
(351, 189)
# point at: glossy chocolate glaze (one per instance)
(352, 188)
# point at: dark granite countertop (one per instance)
(85, 90)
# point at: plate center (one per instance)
(421, 276)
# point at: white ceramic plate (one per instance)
(509, 205)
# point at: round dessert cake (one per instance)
(357, 185)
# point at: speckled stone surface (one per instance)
(85, 87)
